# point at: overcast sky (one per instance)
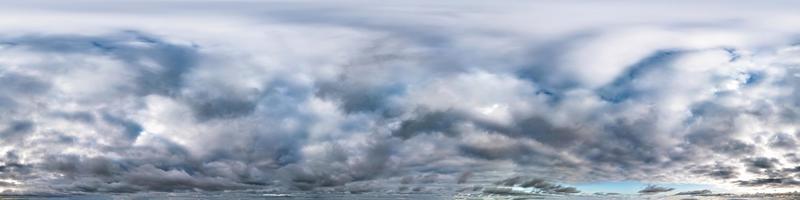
(397, 96)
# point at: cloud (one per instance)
(760, 165)
(442, 122)
(509, 181)
(13, 169)
(360, 97)
(154, 179)
(772, 182)
(464, 177)
(718, 171)
(606, 193)
(654, 189)
(17, 130)
(537, 183)
(695, 192)
(783, 140)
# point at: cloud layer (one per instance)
(398, 96)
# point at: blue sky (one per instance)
(633, 187)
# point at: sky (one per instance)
(399, 96)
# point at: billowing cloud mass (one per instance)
(409, 96)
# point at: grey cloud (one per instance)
(606, 193)
(74, 166)
(152, 178)
(569, 190)
(719, 171)
(771, 182)
(734, 147)
(537, 183)
(84, 117)
(792, 157)
(518, 152)
(6, 184)
(695, 192)
(783, 140)
(173, 60)
(714, 130)
(130, 128)
(15, 83)
(625, 86)
(12, 168)
(99, 174)
(337, 167)
(548, 187)
(361, 188)
(429, 178)
(544, 131)
(536, 128)
(19, 89)
(354, 99)
(429, 122)
(654, 189)
(464, 177)
(402, 188)
(165, 78)
(509, 181)
(407, 180)
(724, 174)
(502, 191)
(16, 130)
(760, 164)
(223, 108)
(372, 77)
(538, 65)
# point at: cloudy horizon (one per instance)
(560, 97)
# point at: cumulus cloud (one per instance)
(358, 97)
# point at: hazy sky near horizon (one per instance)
(397, 96)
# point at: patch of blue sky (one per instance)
(632, 187)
